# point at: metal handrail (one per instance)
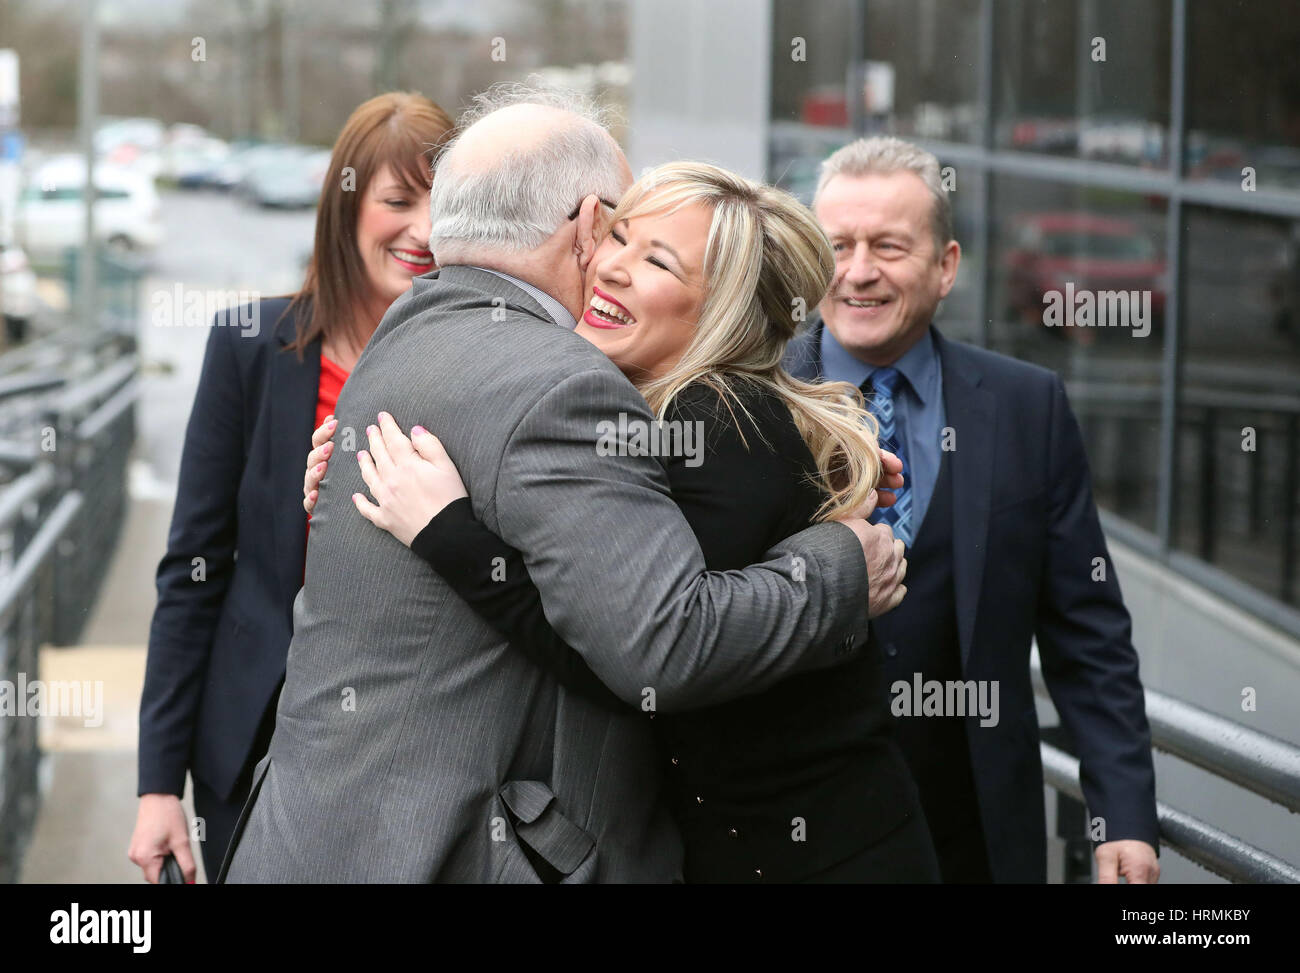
(1204, 844)
(55, 539)
(19, 455)
(42, 545)
(108, 413)
(22, 491)
(30, 383)
(99, 387)
(1255, 761)
(1263, 764)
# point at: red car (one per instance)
(1096, 253)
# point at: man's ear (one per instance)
(587, 231)
(948, 264)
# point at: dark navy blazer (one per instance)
(222, 625)
(1025, 532)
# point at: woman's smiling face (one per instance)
(393, 234)
(645, 289)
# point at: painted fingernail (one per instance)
(417, 430)
(331, 423)
(363, 454)
(328, 448)
(372, 430)
(319, 467)
(384, 415)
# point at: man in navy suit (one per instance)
(1003, 538)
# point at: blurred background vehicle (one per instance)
(1097, 253)
(244, 157)
(288, 178)
(133, 143)
(50, 218)
(190, 154)
(18, 299)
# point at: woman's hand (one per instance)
(411, 479)
(317, 462)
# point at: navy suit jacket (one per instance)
(222, 625)
(1025, 533)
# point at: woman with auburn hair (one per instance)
(235, 553)
(694, 294)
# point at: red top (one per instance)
(332, 377)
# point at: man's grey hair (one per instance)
(523, 196)
(883, 154)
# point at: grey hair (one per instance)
(523, 197)
(883, 154)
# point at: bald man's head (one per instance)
(525, 128)
(513, 176)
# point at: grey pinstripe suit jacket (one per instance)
(411, 743)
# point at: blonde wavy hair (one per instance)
(766, 263)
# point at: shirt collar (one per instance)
(558, 312)
(838, 365)
(918, 364)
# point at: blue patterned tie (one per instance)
(879, 391)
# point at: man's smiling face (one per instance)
(889, 274)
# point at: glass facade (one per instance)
(810, 76)
(933, 92)
(1052, 243)
(1083, 78)
(1243, 93)
(1124, 179)
(1237, 490)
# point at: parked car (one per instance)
(132, 143)
(1096, 253)
(50, 217)
(145, 133)
(288, 180)
(192, 164)
(17, 292)
(243, 159)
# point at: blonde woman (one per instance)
(694, 294)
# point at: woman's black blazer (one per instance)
(235, 553)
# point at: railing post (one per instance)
(1290, 490)
(67, 580)
(1071, 820)
(1209, 484)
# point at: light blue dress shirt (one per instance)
(918, 408)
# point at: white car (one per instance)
(17, 292)
(51, 211)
